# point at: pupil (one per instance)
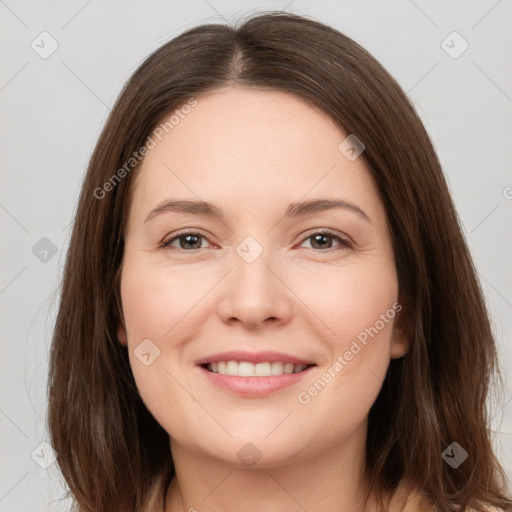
(188, 239)
(319, 237)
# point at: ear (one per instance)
(401, 338)
(121, 330)
(399, 347)
(121, 335)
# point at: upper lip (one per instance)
(252, 357)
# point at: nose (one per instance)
(255, 293)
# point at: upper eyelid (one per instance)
(172, 238)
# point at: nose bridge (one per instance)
(253, 293)
(252, 275)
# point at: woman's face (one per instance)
(258, 276)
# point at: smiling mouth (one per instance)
(248, 369)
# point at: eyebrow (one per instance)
(294, 210)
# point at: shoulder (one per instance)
(408, 498)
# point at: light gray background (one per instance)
(53, 109)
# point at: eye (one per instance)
(192, 240)
(186, 240)
(320, 241)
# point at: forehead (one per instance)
(233, 124)
(251, 147)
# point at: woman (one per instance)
(268, 303)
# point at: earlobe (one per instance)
(121, 335)
(399, 348)
(402, 331)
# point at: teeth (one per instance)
(276, 368)
(260, 369)
(247, 369)
(231, 368)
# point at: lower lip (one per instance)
(255, 386)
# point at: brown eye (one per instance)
(323, 240)
(188, 240)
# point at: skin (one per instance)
(252, 152)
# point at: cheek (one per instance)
(156, 301)
(158, 306)
(357, 310)
(360, 309)
(349, 302)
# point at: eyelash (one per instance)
(345, 244)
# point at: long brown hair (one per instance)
(112, 453)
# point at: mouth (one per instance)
(254, 374)
(249, 369)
